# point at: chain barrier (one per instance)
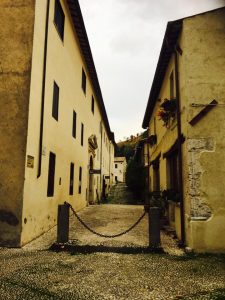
(101, 234)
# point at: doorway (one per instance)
(91, 187)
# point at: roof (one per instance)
(79, 26)
(172, 33)
(170, 38)
(120, 159)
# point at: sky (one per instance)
(125, 38)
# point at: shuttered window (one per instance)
(71, 178)
(51, 174)
(59, 19)
(82, 134)
(83, 83)
(55, 102)
(92, 104)
(80, 180)
(74, 129)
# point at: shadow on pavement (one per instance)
(88, 249)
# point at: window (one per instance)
(59, 18)
(156, 176)
(82, 134)
(92, 104)
(83, 84)
(55, 102)
(116, 166)
(74, 128)
(80, 180)
(71, 178)
(171, 86)
(51, 175)
(172, 172)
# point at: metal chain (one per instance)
(101, 234)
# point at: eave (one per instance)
(79, 26)
(169, 43)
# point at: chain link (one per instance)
(101, 234)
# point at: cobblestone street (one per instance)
(34, 272)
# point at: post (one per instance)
(63, 223)
(154, 227)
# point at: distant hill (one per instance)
(127, 147)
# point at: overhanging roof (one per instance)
(170, 38)
(173, 30)
(79, 26)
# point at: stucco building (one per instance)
(185, 117)
(56, 142)
(120, 166)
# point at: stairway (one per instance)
(120, 194)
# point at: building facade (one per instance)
(186, 125)
(56, 142)
(120, 166)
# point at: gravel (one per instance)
(37, 273)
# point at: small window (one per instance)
(74, 129)
(173, 171)
(156, 176)
(55, 102)
(83, 81)
(80, 180)
(59, 18)
(82, 134)
(92, 104)
(115, 166)
(51, 174)
(171, 86)
(71, 178)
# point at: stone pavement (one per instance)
(107, 219)
(36, 273)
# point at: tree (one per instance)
(136, 177)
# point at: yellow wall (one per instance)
(201, 76)
(27, 200)
(64, 65)
(205, 48)
(16, 35)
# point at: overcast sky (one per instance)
(126, 37)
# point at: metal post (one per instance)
(154, 227)
(63, 223)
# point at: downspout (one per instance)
(180, 158)
(110, 163)
(101, 161)
(43, 91)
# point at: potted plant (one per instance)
(167, 110)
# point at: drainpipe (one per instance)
(180, 159)
(110, 163)
(101, 161)
(43, 91)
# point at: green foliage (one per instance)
(127, 147)
(125, 150)
(135, 177)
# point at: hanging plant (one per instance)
(167, 110)
(169, 105)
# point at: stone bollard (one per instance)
(63, 223)
(154, 227)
